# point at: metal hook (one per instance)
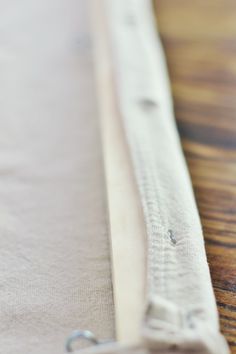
(87, 335)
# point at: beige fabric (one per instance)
(119, 349)
(115, 348)
(181, 308)
(54, 252)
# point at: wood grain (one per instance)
(199, 38)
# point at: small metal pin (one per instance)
(172, 237)
(148, 104)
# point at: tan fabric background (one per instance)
(54, 251)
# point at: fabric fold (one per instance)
(181, 308)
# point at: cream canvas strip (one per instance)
(181, 312)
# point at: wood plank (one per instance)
(127, 230)
(199, 38)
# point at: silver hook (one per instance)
(87, 335)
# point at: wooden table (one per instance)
(199, 38)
